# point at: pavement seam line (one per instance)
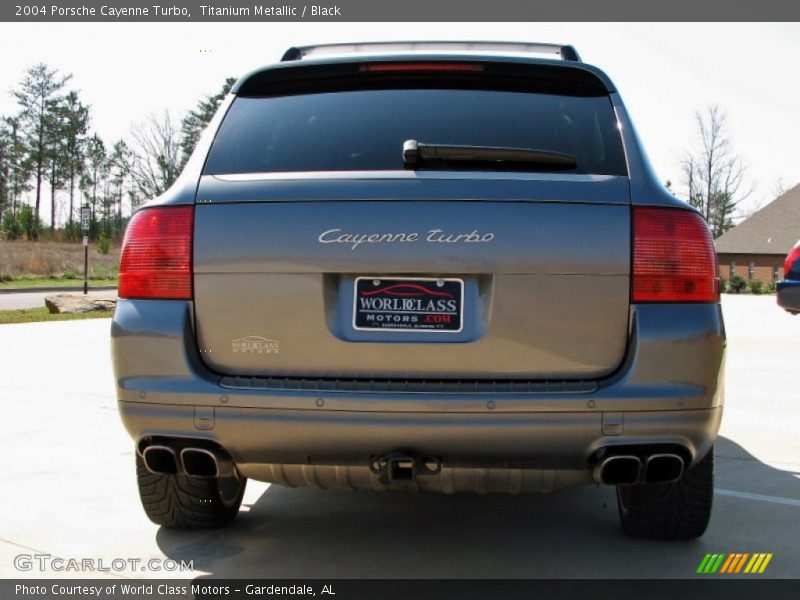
(757, 497)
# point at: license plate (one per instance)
(408, 304)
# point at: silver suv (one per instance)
(426, 266)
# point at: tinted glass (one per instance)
(365, 130)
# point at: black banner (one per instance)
(730, 588)
(405, 11)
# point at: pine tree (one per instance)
(76, 126)
(36, 95)
(55, 130)
(121, 163)
(5, 170)
(18, 159)
(94, 173)
(196, 121)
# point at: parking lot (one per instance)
(70, 491)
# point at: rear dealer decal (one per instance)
(433, 236)
(255, 344)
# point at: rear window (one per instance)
(364, 130)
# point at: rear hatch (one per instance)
(319, 253)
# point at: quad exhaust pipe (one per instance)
(161, 460)
(192, 461)
(618, 470)
(201, 462)
(628, 469)
(663, 468)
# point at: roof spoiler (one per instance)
(565, 52)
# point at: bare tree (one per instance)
(713, 173)
(780, 187)
(156, 156)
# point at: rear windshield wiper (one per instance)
(416, 155)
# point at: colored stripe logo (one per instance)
(733, 563)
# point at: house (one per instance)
(757, 247)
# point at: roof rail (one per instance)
(565, 52)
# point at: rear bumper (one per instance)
(789, 295)
(549, 440)
(668, 391)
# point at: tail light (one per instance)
(674, 259)
(791, 259)
(157, 254)
(421, 68)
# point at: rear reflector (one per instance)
(674, 259)
(791, 259)
(157, 254)
(421, 68)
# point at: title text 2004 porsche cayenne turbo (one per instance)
(431, 266)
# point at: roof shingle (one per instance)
(774, 229)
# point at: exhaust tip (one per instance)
(618, 470)
(199, 462)
(160, 460)
(663, 468)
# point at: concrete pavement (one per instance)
(70, 491)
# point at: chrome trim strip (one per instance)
(436, 175)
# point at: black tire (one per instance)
(184, 502)
(669, 511)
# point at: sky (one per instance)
(665, 73)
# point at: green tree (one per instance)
(36, 97)
(106, 204)
(29, 223)
(120, 165)
(76, 125)
(5, 170)
(10, 226)
(55, 132)
(95, 172)
(196, 121)
(17, 160)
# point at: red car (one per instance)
(789, 286)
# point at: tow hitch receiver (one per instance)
(399, 467)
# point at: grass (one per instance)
(47, 282)
(50, 264)
(32, 315)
